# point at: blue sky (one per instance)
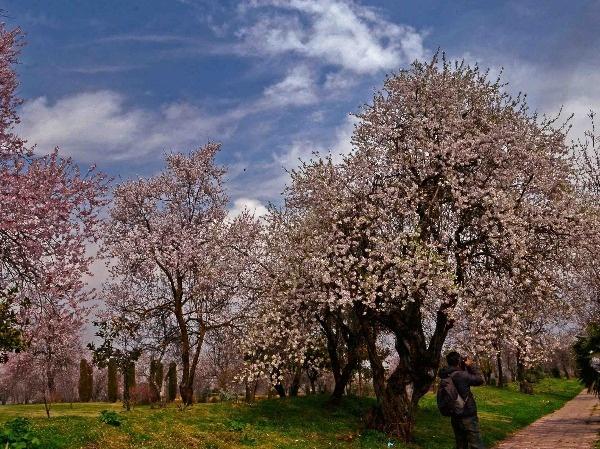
(119, 83)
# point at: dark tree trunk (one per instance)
(280, 390)
(295, 385)
(313, 389)
(187, 393)
(250, 391)
(189, 354)
(342, 382)
(398, 396)
(501, 381)
(339, 333)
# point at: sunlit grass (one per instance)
(299, 423)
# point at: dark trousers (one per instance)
(466, 432)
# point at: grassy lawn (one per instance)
(299, 423)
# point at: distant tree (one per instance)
(172, 382)
(129, 381)
(587, 358)
(113, 383)
(156, 379)
(86, 381)
(119, 345)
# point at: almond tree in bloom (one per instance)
(48, 214)
(177, 255)
(51, 333)
(296, 332)
(451, 181)
(587, 151)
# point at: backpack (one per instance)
(449, 402)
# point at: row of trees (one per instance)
(459, 217)
(458, 214)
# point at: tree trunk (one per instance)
(338, 330)
(280, 390)
(566, 370)
(46, 408)
(398, 396)
(342, 382)
(501, 381)
(295, 386)
(524, 385)
(250, 391)
(187, 392)
(189, 363)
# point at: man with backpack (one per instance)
(456, 400)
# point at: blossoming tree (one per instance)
(48, 216)
(451, 182)
(177, 255)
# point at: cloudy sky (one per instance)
(119, 83)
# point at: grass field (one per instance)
(298, 423)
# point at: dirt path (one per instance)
(575, 426)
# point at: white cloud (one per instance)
(253, 206)
(337, 145)
(296, 89)
(94, 125)
(91, 126)
(336, 32)
(574, 90)
(342, 80)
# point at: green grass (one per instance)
(299, 423)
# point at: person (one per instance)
(465, 374)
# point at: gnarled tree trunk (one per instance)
(341, 338)
(398, 396)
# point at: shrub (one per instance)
(226, 396)
(16, 434)
(236, 426)
(111, 418)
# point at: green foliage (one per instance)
(113, 384)
(587, 358)
(119, 345)
(86, 381)
(16, 434)
(111, 418)
(10, 334)
(236, 426)
(172, 382)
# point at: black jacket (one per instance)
(464, 380)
